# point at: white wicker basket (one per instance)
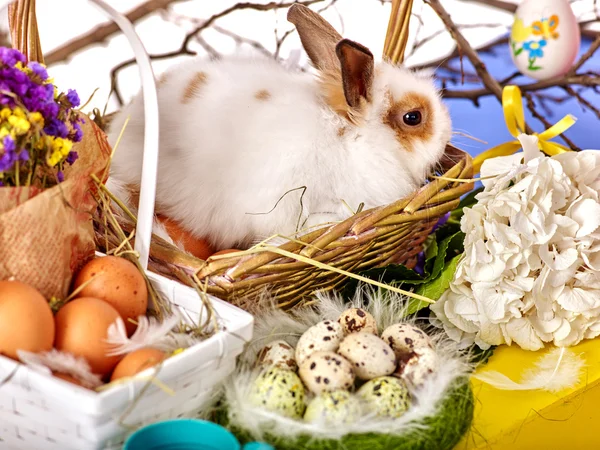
(39, 412)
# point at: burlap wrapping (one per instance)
(47, 235)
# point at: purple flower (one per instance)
(60, 176)
(39, 70)
(420, 267)
(9, 157)
(73, 98)
(55, 127)
(1, 183)
(76, 135)
(10, 56)
(24, 156)
(72, 157)
(9, 144)
(441, 222)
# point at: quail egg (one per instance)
(421, 364)
(370, 356)
(354, 320)
(331, 408)
(404, 338)
(322, 337)
(280, 391)
(326, 371)
(279, 354)
(385, 396)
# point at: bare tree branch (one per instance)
(184, 48)
(103, 32)
(464, 47)
(547, 124)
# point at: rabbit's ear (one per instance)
(357, 71)
(318, 37)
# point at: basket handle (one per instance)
(25, 37)
(396, 36)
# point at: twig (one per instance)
(538, 116)
(102, 32)
(584, 102)
(586, 56)
(498, 4)
(184, 48)
(464, 46)
(418, 44)
(242, 40)
(589, 80)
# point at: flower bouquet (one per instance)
(48, 150)
(530, 273)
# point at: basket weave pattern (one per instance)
(373, 238)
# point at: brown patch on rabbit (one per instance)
(332, 90)
(341, 131)
(263, 94)
(162, 79)
(411, 117)
(194, 87)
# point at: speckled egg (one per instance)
(331, 408)
(370, 356)
(322, 337)
(421, 365)
(280, 391)
(354, 320)
(277, 353)
(404, 338)
(326, 372)
(385, 396)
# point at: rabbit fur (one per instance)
(250, 148)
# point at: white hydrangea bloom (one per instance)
(530, 273)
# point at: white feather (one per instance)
(387, 309)
(149, 333)
(55, 361)
(557, 370)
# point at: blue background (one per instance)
(486, 122)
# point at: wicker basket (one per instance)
(373, 238)
(38, 411)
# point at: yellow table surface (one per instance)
(532, 420)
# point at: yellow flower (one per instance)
(4, 132)
(36, 118)
(520, 32)
(54, 159)
(5, 113)
(62, 146)
(18, 112)
(20, 125)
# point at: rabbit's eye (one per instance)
(412, 118)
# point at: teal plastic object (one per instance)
(187, 434)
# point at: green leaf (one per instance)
(535, 68)
(519, 51)
(436, 287)
(448, 248)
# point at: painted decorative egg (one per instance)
(545, 38)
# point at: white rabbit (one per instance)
(237, 133)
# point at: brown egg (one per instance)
(137, 361)
(118, 282)
(81, 327)
(26, 320)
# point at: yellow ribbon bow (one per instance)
(514, 116)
